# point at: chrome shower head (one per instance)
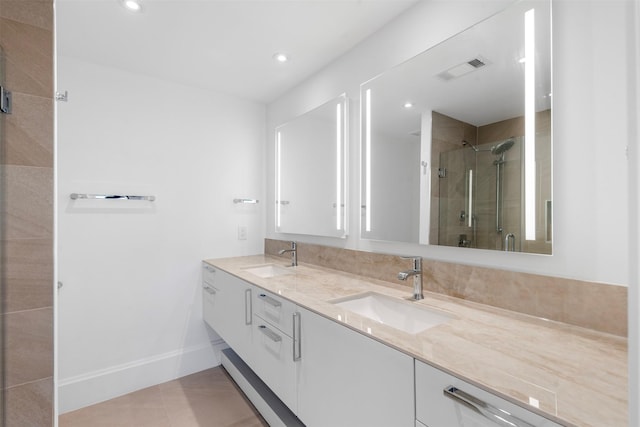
(502, 147)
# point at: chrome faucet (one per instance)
(416, 272)
(294, 253)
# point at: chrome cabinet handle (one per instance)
(297, 348)
(209, 269)
(490, 412)
(209, 290)
(271, 301)
(248, 307)
(269, 333)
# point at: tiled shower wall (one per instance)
(26, 35)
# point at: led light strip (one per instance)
(530, 125)
(339, 167)
(367, 202)
(279, 178)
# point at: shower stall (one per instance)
(480, 193)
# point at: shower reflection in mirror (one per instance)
(456, 143)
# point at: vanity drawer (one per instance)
(445, 400)
(273, 361)
(211, 305)
(208, 273)
(275, 310)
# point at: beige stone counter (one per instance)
(578, 376)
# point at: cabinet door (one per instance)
(444, 400)
(227, 309)
(273, 361)
(346, 379)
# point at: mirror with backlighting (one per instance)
(311, 171)
(456, 142)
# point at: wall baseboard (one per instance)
(98, 386)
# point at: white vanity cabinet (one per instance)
(274, 345)
(444, 400)
(227, 308)
(346, 379)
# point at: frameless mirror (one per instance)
(456, 142)
(311, 171)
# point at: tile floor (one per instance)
(206, 399)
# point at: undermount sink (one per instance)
(269, 270)
(399, 314)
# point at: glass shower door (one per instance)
(457, 179)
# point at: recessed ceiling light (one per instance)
(408, 105)
(132, 5)
(281, 57)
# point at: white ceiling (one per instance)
(223, 45)
(487, 95)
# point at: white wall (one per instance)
(590, 99)
(130, 308)
(634, 220)
(396, 158)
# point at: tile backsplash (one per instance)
(591, 305)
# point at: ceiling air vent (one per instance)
(462, 69)
(476, 63)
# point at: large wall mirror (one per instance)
(456, 142)
(311, 172)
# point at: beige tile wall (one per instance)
(590, 305)
(26, 36)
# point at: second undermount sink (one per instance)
(399, 314)
(269, 270)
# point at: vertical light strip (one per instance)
(367, 201)
(470, 211)
(339, 167)
(278, 178)
(530, 126)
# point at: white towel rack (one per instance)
(76, 196)
(246, 201)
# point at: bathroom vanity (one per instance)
(310, 335)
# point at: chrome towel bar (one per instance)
(75, 196)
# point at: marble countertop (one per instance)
(577, 376)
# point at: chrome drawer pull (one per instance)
(297, 348)
(248, 307)
(209, 290)
(209, 269)
(269, 333)
(490, 412)
(271, 301)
